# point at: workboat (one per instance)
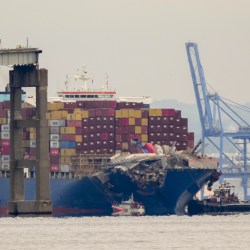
(128, 208)
(222, 201)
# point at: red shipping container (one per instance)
(54, 159)
(125, 121)
(64, 137)
(72, 137)
(5, 142)
(33, 151)
(104, 136)
(91, 113)
(191, 136)
(54, 151)
(5, 150)
(124, 130)
(109, 112)
(118, 129)
(168, 112)
(125, 137)
(118, 137)
(71, 123)
(54, 167)
(144, 129)
(98, 112)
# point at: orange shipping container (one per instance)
(78, 138)
(137, 129)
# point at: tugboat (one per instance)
(128, 208)
(222, 201)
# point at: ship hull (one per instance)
(88, 196)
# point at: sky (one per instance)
(139, 44)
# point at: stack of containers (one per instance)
(95, 127)
(166, 126)
(5, 147)
(101, 131)
(130, 124)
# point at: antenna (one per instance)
(67, 82)
(27, 42)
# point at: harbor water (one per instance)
(161, 232)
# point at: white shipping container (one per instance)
(5, 128)
(62, 123)
(5, 135)
(5, 166)
(54, 123)
(5, 158)
(32, 143)
(54, 144)
(54, 137)
(64, 168)
(54, 130)
(57, 123)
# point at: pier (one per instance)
(26, 73)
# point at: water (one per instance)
(162, 232)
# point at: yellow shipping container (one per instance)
(85, 114)
(32, 130)
(137, 129)
(65, 160)
(67, 130)
(118, 114)
(77, 111)
(60, 105)
(67, 151)
(138, 114)
(124, 113)
(155, 112)
(32, 136)
(64, 114)
(3, 121)
(131, 112)
(144, 121)
(78, 138)
(131, 121)
(144, 137)
(52, 106)
(71, 117)
(56, 115)
(78, 117)
(48, 116)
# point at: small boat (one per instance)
(128, 208)
(222, 201)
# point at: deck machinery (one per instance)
(213, 112)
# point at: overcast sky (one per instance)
(140, 44)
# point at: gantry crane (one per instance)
(213, 112)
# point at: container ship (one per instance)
(88, 129)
